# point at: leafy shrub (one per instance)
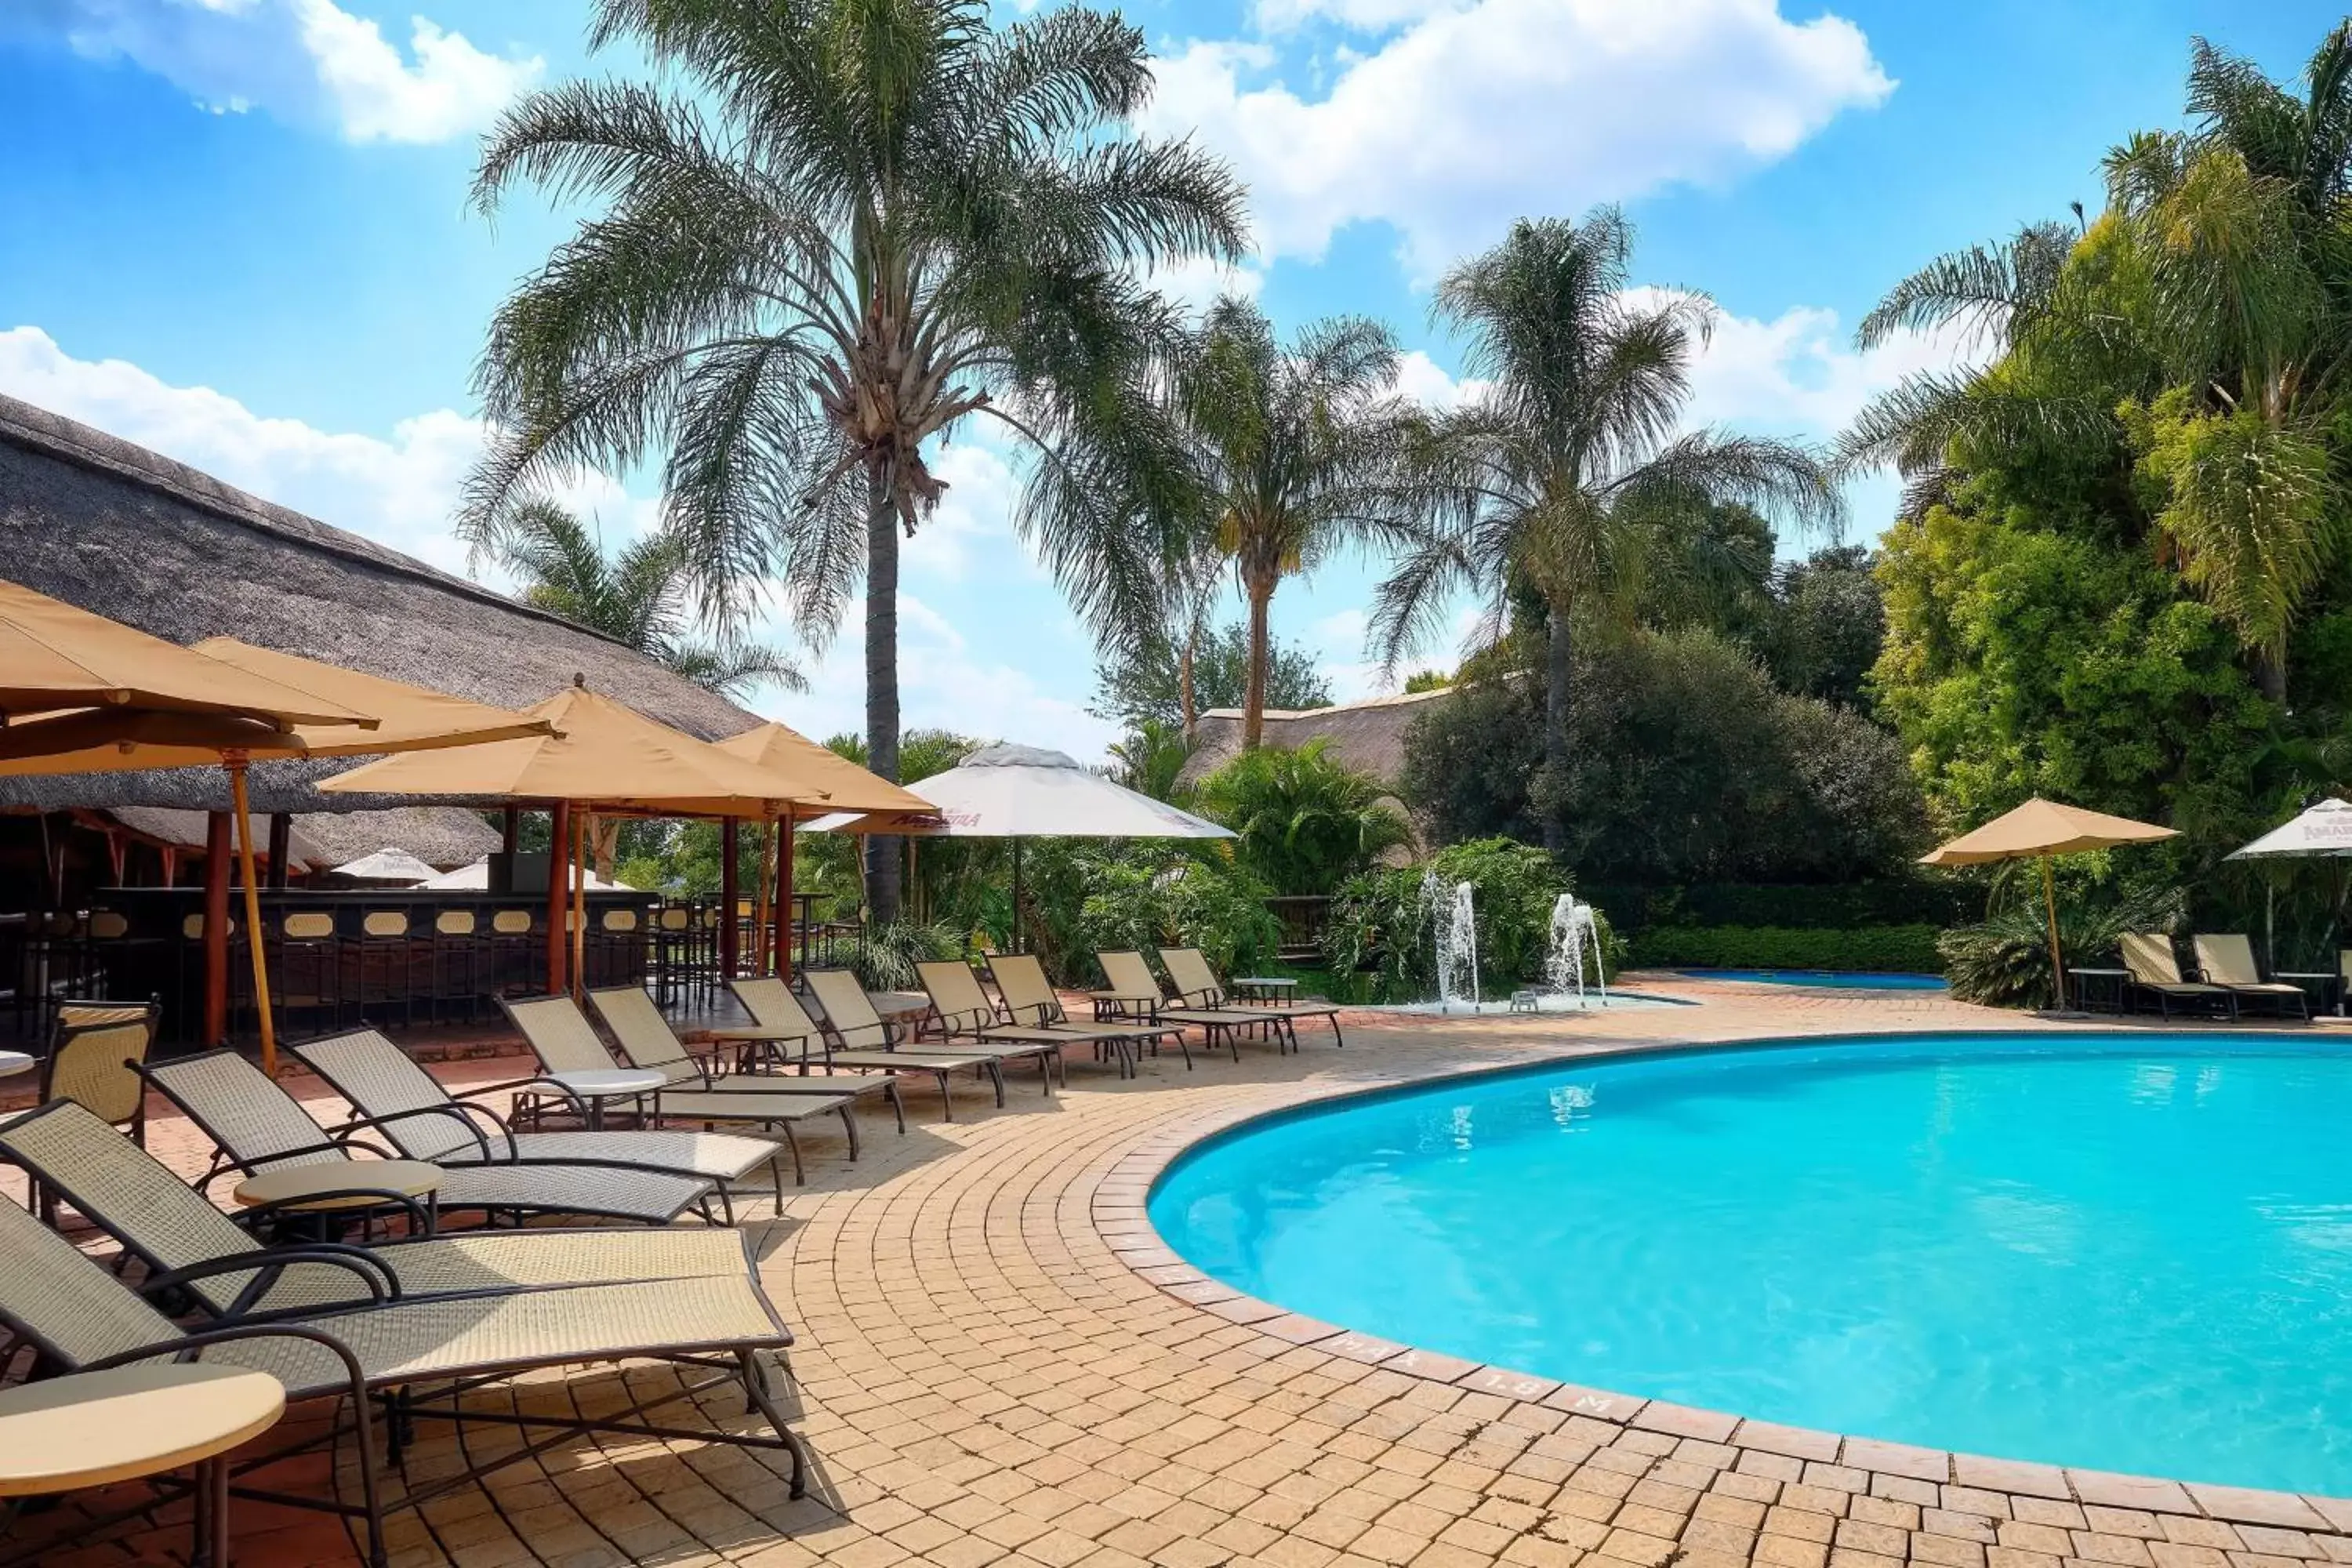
(1179, 903)
(1941, 901)
(886, 959)
(1886, 949)
(1307, 821)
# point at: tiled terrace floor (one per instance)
(998, 1365)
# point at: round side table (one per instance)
(92, 1428)
(331, 1186)
(596, 1087)
(14, 1062)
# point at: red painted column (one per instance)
(558, 882)
(728, 892)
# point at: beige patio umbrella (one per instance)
(135, 736)
(2042, 829)
(820, 778)
(602, 757)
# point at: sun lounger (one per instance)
(646, 1040)
(2156, 972)
(563, 1040)
(256, 1126)
(1134, 991)
(780, 1020)
(1197, 987)
(1029, 999)
(849, 1014)
(965, 1012)
(2228, 962)
(188, 1245)
(422, 1120)
(81, 1318)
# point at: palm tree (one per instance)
(639, 598)
(837, 231)
(2196, 333)
(1307, 821)
(1566, 473)
(1296, 452)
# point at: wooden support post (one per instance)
(511, 832)
(787, 907)
(763, 899)
(728, 891)
(216, 854)
(558, 878)
(582, 824)
(281, 847)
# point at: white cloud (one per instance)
(1465, 116)
(1198, 282)
(304, 60)
(402, 491)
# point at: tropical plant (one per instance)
(1143, 901)
(886, 952)
(2195, 335)
(1564, 471)
(2004, 962)
(1377, 943)
(1297, 449)
(834, 233)
(639, 598)
(1148, 759)
(1307, 821)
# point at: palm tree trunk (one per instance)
(1185, 697)
(1253, 703)
(606, 848)
(882, 879)
(2270, 674)
(1557, 672)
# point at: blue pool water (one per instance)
(2126, 1252)
(1834, 979)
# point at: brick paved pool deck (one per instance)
(999, 1364)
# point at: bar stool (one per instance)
(511, 951)
(622, 938)
(672, 952)
(458, 950)
(386, 962)
(307, 946)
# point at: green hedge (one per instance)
(1890, 949)
(1843, 906)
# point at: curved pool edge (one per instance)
(1890, 1471)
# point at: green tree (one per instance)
(1297, 448)
(1307, 820)
(1149, 758)
(639, 598)
(1826, 625)
(1147, 684)
(1566, 472)
(833, 232)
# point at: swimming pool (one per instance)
(1834, 979)
(2119, 1252)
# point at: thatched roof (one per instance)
(441, 835)
(1369, 736)
(117, 529)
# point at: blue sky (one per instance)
(236, 231)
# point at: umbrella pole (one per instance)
(2050, 903)
(1017, 895)
(786, 908)
(234, 763)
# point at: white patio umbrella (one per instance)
(2321, 831)
(478, 876)
(387, 865)
(1026, 792)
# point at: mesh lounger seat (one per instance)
(857, 1027)
(256, 1126)
(186, 1243)
(646, 1040)
(1134, 991)
(1029, 999)
(80, 1317)
(965, 1012)
(780, 1019)
(2228, 962)
(564, 1041)
(422, 1120)
(1197, 987)
(2156, 971)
